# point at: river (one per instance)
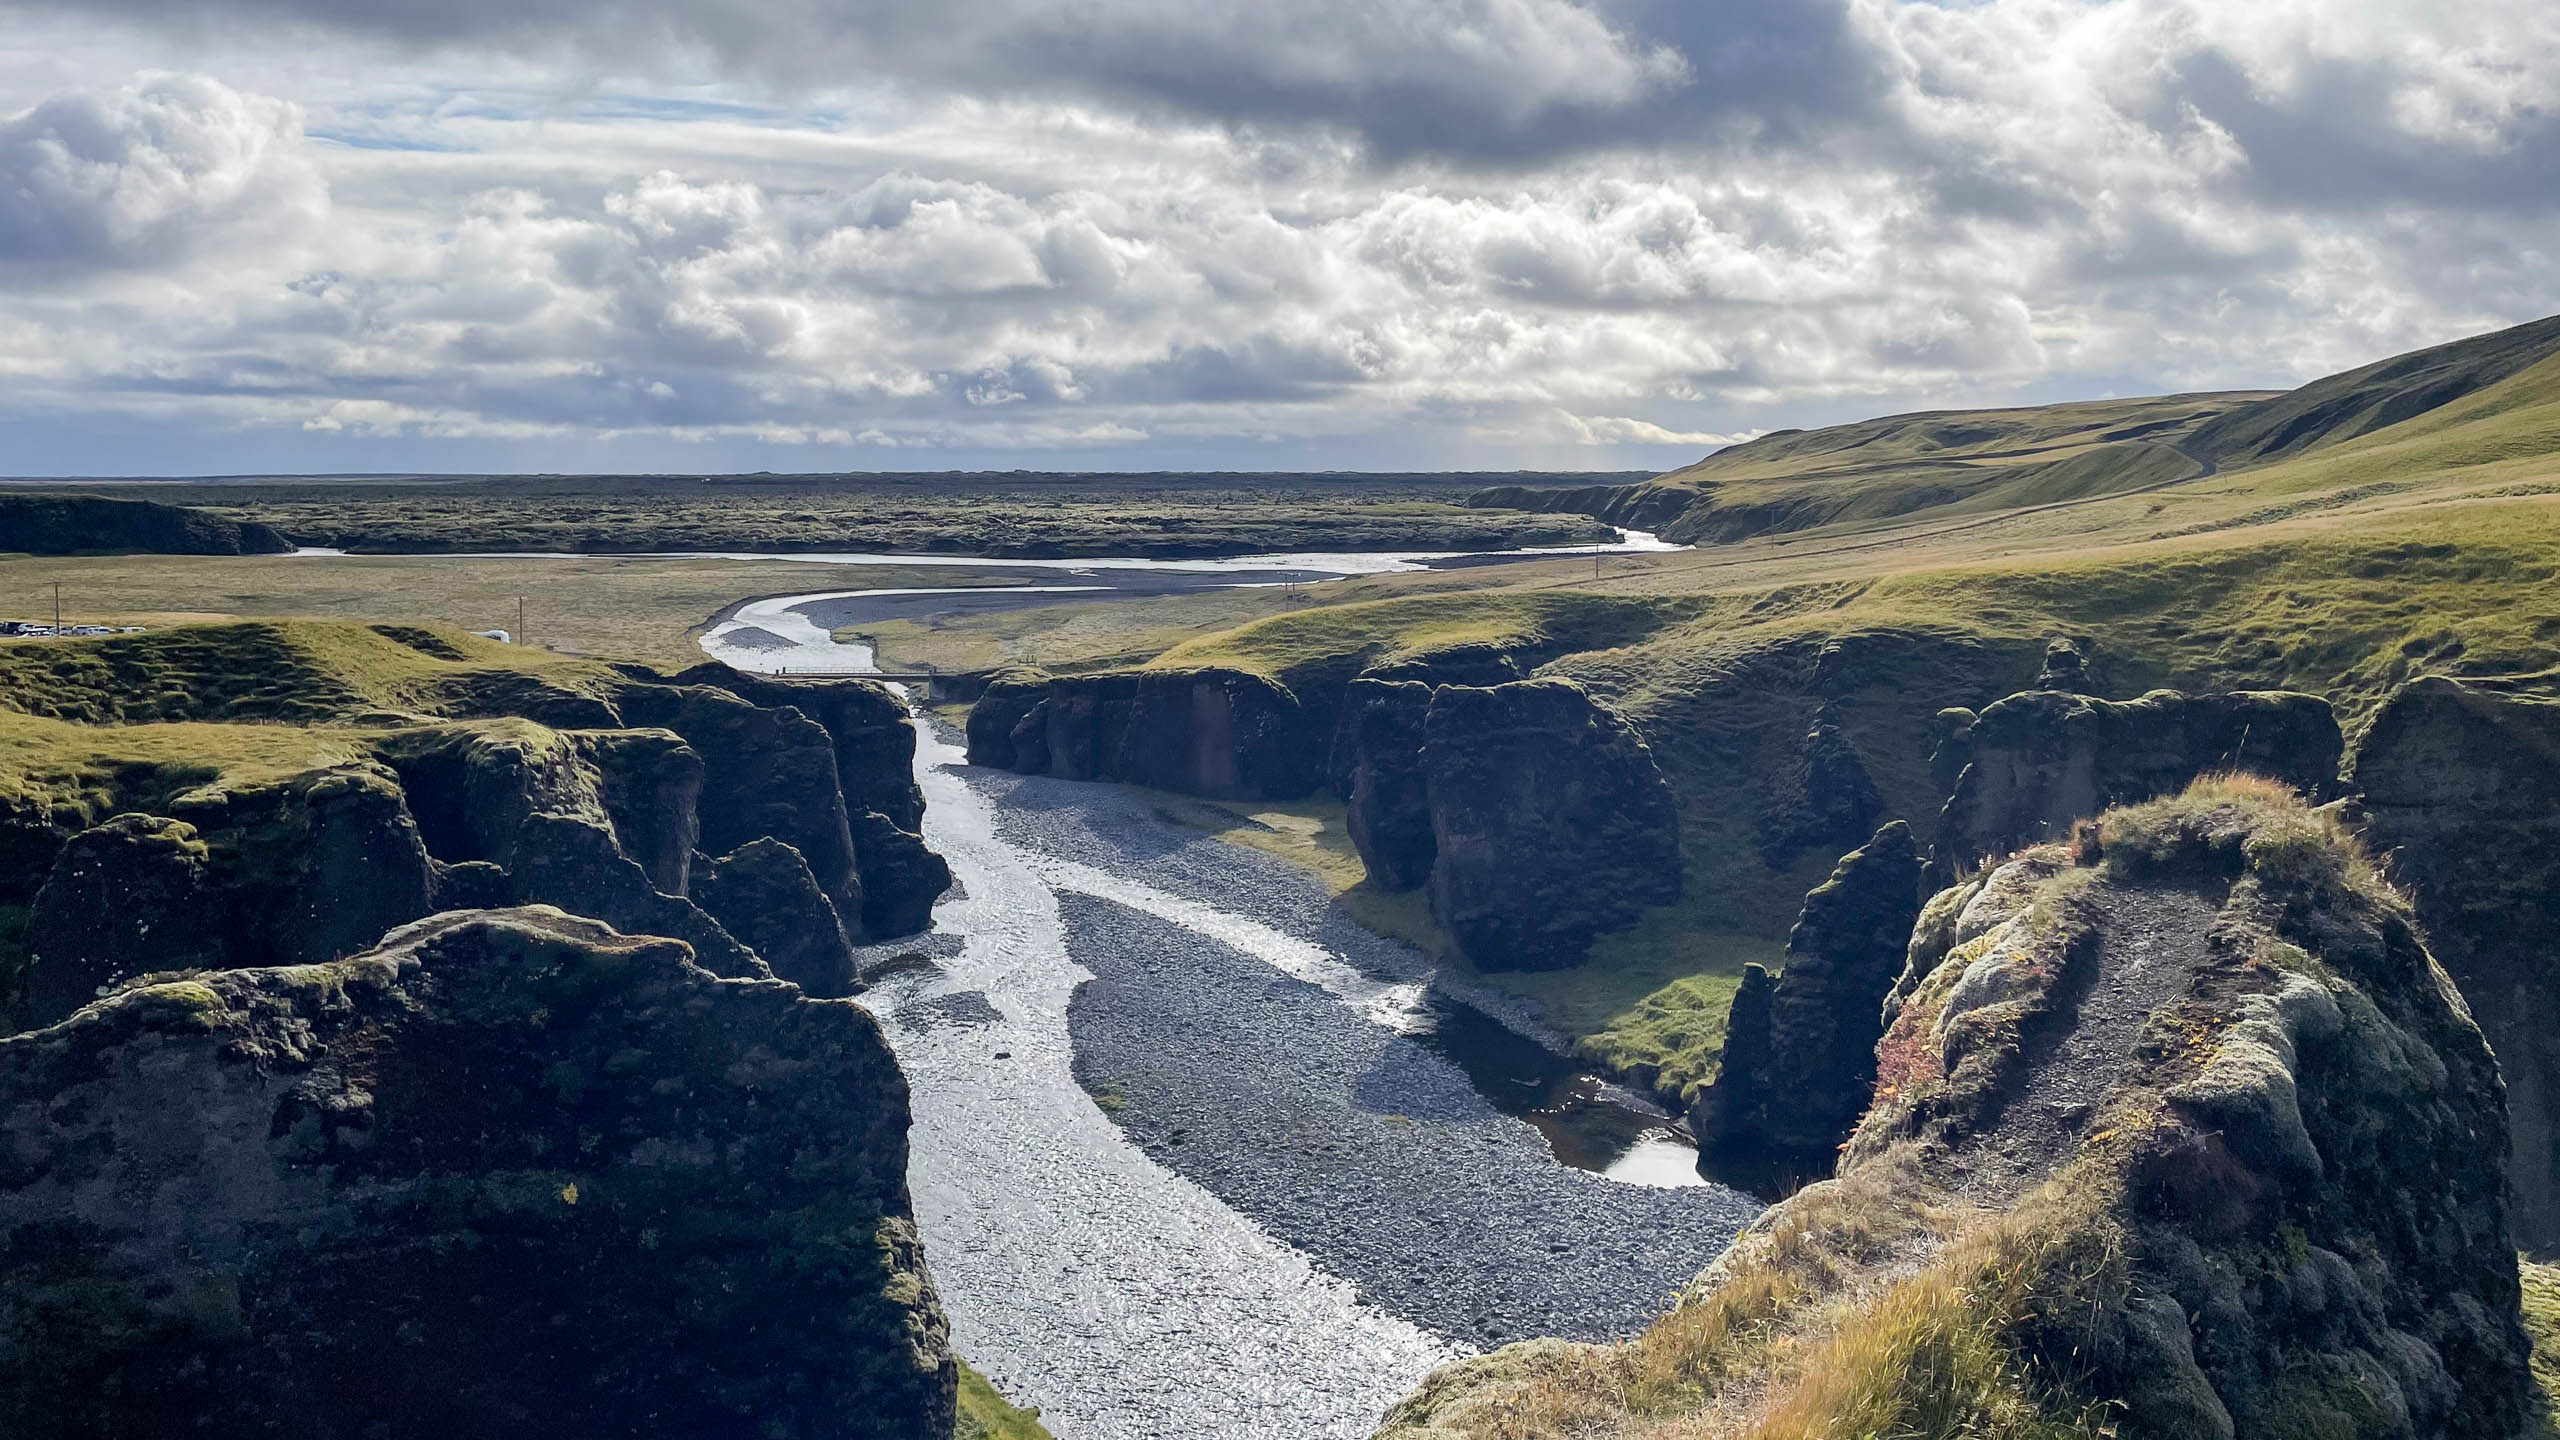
(1195, 1155)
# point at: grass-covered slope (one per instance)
(291, 672)
(2358, 402)
(1980, 462)
(2116, 1182)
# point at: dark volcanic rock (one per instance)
(315, 866)
(764, 894)
(1825, 1014)
(509, 1175)
(2037, 761)
(875, 749)
(1390, 807)
(1823, 798)
(2461, 789)
(875, 746)
(765, 772)
(527, 800)
(652, 790)
(1225, 734)
(125, 898)
(2067, 667)
(73, 524)
(2180, 1124)
(1551, 821)
(901, 877)
(1009, 696)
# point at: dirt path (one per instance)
(2152, 943)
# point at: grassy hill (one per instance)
(1973, 462)
(2345, 565)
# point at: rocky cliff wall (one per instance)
(306, 867)
(511, 1174)
(1800, 1053)
(2460, 786)
(1225, 734)
(1550, 823)
(2030, 765)
(2177, 1132)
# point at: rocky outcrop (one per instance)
(765, 772)
(1551, 823)
(128, 896)
(2069, 664)
(2030, 765)
(1823, 798)
(1225, 734)
(875, 746)
(313, 867)
(2460, 786)
(1800, 1056)
(650, 784)
(509, 1175)
(764, 894)
(2178, 1128)
(527, 800)
(1389, 811)
(875, 766)
(1006, 700)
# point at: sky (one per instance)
(803, 235)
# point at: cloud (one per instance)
(162, 170)
(1409, 74)
(1530, 227)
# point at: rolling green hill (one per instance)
(1982, 462)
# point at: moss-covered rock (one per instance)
(1823, 797)
(1389, 811)
(128, 897)
(1551, 823)
(1802, 1077)
(510, 1175)
(2178, 1131)
(1002, 704)
(2461, 789)
(875, 749)
(763, 893)
(765, 772)
(650, 784)
(528, 800)
(2035, 762)
(1226, 734)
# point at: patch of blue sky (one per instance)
(376, 140)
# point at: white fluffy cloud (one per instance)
(157, 171)
(1467, 229)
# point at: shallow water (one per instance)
(1124, 1300)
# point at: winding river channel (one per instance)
(1195, 1155)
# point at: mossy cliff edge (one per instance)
(2118, 1179)
(418, 770)
(517, 1166)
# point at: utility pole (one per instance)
(1595, 567)
(521, 638)
(57, 607)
